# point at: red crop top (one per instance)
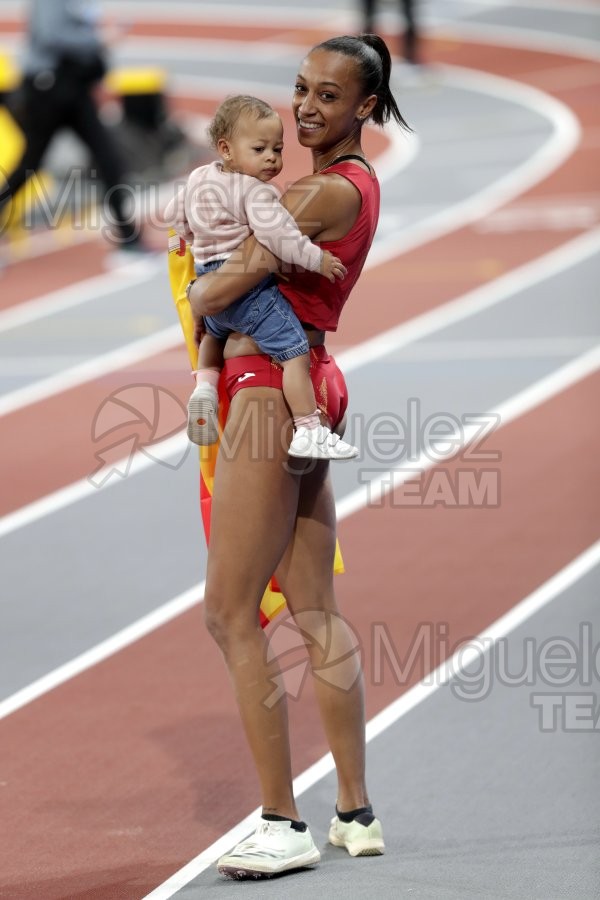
(312, 297)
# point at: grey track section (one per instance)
(84, 573)
(89, 582)
(115, 318)
(579, 24)
(477, 800)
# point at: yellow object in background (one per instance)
(12, 147)
(135, 80)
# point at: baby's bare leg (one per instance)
(210, 353)
(297, 386)
(312, 439)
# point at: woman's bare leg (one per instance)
(253, 514)
(306, 577)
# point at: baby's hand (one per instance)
(332, 267)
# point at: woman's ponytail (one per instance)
(374, 64)
(386, 107)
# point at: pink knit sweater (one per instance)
(217, 210)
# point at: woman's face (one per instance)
(327, 99)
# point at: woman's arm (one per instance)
(325, 207)
(246, 266)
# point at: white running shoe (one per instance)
(273, 848)
(203, 406)
(361, 837)
(320, 443)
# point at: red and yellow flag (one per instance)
(181, 271)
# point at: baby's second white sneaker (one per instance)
(320, 443)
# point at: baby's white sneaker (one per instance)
(320, 443)
(203, 415)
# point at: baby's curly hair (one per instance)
(227, 115)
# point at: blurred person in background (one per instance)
(410, 42)
(65, 60)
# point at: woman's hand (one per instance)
(246, 266)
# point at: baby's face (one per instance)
(256, 148)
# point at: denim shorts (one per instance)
(264, 315)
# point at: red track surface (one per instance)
(109, 776)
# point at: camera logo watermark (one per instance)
(470, 667)
(135, 419)
(332, 643)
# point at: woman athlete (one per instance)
(269, 517)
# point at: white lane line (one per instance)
(80, 292)
(571, 6)
(222, 13)
(517, 38)
(503, 348)
(158, 617)
(376, 348)
(91, 369)
(547, 266)
(82, 489)
(451, 668)
(521, 403)
(550, 156)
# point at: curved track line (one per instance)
(518, 39)
(91, 369)
(584, 7)
(77, 293)
(563, 257)
(549, 157)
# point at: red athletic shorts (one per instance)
(260, 371)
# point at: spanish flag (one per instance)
(181, 271)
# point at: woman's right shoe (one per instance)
(275, 847)
(203, 408)
(362, 836)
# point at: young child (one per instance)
(221, 205)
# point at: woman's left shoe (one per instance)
(274, 847)
(362, 836)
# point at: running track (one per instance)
(109, 775)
